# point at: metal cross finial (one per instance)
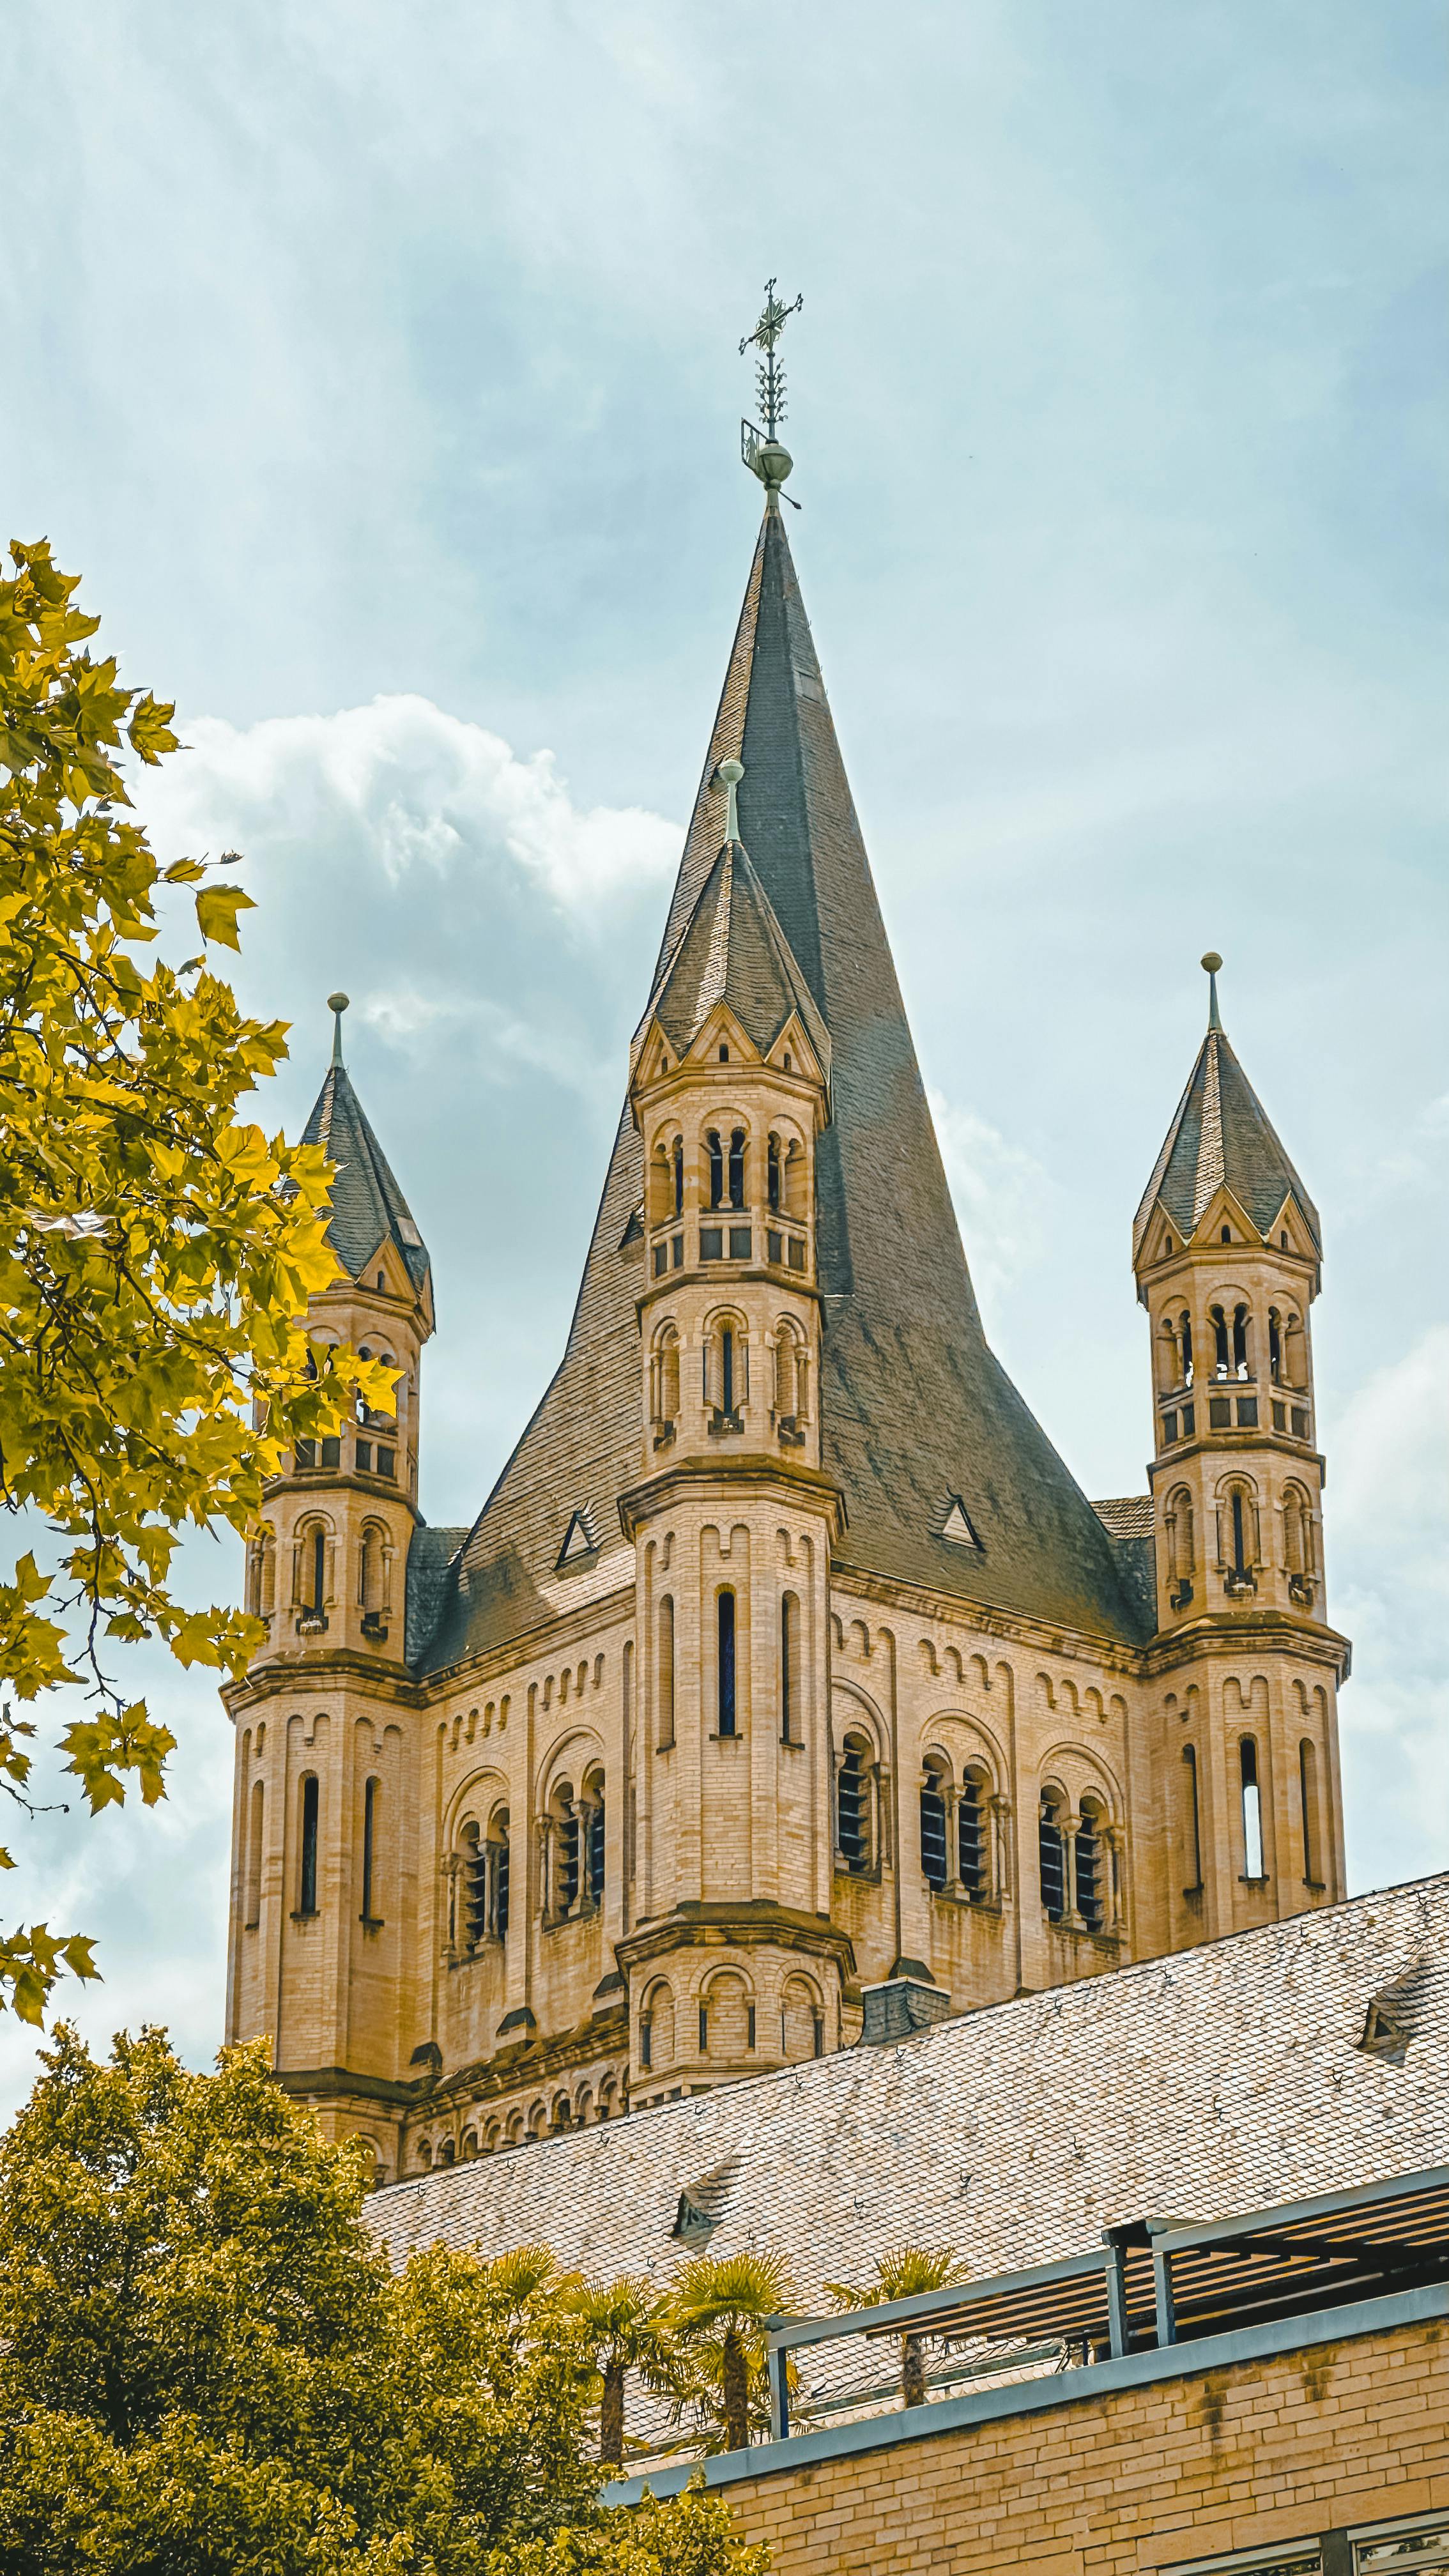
(770, 377)
(337, 1004)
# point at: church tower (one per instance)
(326, 1759)
(1227, 1252)
(786, 1691)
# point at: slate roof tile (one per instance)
(1222, 1133)
(368, 1208)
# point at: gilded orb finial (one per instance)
(731, 772)
(337, 1004)
(1212, 968)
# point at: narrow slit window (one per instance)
(1252, 1809)
(307, 1872)
(1052, 1868)
(256, 1829)
(737, 1168)
(596, 1850)
(850, 1810)
(1239, 1524)
(1089, 1857)
(1240, 1341)
(789, 1669)
(666, 1672)
(935, 1868)
(1193, 1821)
(678, 1176)
(318, 1572)
(772, 1173)
(716, 1169)
(1307, 1800)
(727, 1369)
(726, 1674)
(370, 1797)
(971, 1837)
(498, 1858)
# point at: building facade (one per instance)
(786, 1683)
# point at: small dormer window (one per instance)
(1227, 1234)
(1283, 1242)
(381, 1285)
(724, 1055)
(787, 1064)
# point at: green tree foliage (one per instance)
(906, 2273)
(630, 2327)
(208, 2368)
(155, 1248)
(720, 2307)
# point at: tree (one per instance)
(628, 2327)
(907, 2273)
(156, 1251)
(721, 2307)
(209, 2369)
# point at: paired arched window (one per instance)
(1230, 1341)
(935, 1828)
(790, 1721)
(308, 1814)
(726, 1370)
(725, 1157)
(312, 1569)
(480, 1905)
(1238, 1535)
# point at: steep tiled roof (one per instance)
(734, 951)
(368, 1208)
(913, 1403)
(1126, 1515)
(1223, 2079)
(1222, 1134)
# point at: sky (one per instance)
(378, 369)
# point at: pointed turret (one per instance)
(1227, 1252)
(371, 1220)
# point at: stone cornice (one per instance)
(277, 1675)
(721, 1479)
(1248, 1632)
(753, 1925)
(1075, 1644)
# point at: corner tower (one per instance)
(326, 1759)
(1227, 1253)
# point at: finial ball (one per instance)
(731, 772)
(337, 1001)
(1212, 963)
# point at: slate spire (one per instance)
(368, 1208)
(1222, 1137)
(915, 1409)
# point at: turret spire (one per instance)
(765, 456)
(1212, 967)
(337, 1004)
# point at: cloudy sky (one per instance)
(377, 368)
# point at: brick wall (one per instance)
(1242, 2458)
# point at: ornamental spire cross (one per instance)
(769, 374)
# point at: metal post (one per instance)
(779, 2368)
(1117, 2330)
(1162, 2296)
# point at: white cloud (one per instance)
(1000, 1193)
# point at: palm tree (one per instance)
(720, 2308)
(905, 2274)
(626, 2323)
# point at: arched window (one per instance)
(664, 1376)
(1275, 1347)
(794, 1179)
(737, 1168)
(307, 1859)
(772, 1174)
(1090, 1866)
(1308, 1809)
(677, 1160)
(935, 1809)
(802, 2021)
(1222, 1342)
(972, 1852)
(656, 2028)
(1192, 1820)
(1185, 1346)
(371, 1801)
(715, 1151)
(1298, 1547)
(496, 1862)
(563, 1854)
(792, 1383)
(372, 1571)
(726, 1368)
(1181, 1547)
(311, 1570)
(1252, 1802)
(852, 1806)
(256, 1826)
(726, 1371)
(725, 1668)
(1240, 1341)
(666, 1671)
(470, 1901)
(1052, 1864)
(727, 2017)
(790, 1669)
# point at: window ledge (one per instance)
(371, 1922)
(962, 1898)
(736, 1737)
(1261, 1880)
(307, 1914)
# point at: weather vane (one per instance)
(764, 455)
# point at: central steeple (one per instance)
(917, 1416)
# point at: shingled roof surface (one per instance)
(1221, 2080)
(913, 1403)
(1221, 1134)
(734, 951)
(368, 1208)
